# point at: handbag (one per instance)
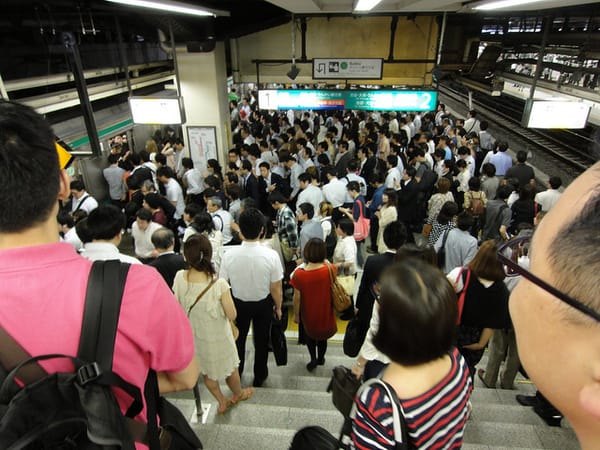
(278, 342)
(286, 251)
(314, 438)
(353, 338)
(463, 293)
(347, 282)
(362, 225)
(427, 229)
(343, 387)
(339, 297)
(172, 431)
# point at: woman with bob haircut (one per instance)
(417, 310)
(486, 302)
(209, 316)
(312, 301)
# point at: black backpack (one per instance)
(75, 410)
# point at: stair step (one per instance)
(511, 435)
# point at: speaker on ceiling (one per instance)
(203, 46)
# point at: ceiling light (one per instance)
(172, 7)
(293, 73)
(366, 5)
(503, 4)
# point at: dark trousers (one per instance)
(373, 231)
(314, 346)
(259, 314)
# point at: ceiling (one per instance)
(410, 6)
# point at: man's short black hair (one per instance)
(165, 171)
(163, 238)
(64, 218)
(395, 235)
(105, 222)
(555, 182)
(521, 156)
(308, 209)
(246, 165)
(265, 164)
(113, 159)
(464, 221)
(410, 171)
(251, 223)
(504, 191)
(276, 197)
(153, 200)
(347, 226)
(144, 214)
(304, 177)
(409, 312)
(188, 163)
(77, 185)
(29, 168)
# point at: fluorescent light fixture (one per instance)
(366, 5)
(172, 7)
(503, 4)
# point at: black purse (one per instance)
(174, 432)
(278, 342)
(343, 387)
(354, 337)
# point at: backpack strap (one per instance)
(81, 202)
(466, 277)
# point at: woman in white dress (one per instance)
(387, 214)
(202, 223)
(209, 315)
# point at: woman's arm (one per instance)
(485, 337)
(228, 305)
(296, 299)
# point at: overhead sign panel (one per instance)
(154, 110)
(368, 100)
(391, 100)
(300, 99)
(348, 68)
(555, 114)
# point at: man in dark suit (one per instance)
(267, 183)
(168, 263)
(408, 198)
(250, 184)
(394, 236)
(343, 158)
(368, 162)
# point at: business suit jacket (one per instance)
(407, 203)
(368, 169)
(342, 164)
(252, 189)
(280, 186)
(168, 265)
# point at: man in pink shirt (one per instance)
(44, 281)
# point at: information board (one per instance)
(369, 100)
(555, 114)
(391, 100)
(202, 144)
(157, 110)
(348, 68)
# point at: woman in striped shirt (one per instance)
(418, 311)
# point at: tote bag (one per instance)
(362, 224)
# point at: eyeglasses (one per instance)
(514, 253)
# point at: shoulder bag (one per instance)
(362, 224)
(234, 328)
(463, 292)
(339, 297)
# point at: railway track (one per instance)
(577, 159)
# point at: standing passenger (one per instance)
(254, 273)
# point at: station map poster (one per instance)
(202, 143)
(369, 100)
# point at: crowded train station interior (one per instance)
(389, 207)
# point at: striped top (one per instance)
(435, 419)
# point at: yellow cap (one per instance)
(64, 157)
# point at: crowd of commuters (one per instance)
(285, 212)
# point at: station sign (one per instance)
(367, 100)
(348, 68)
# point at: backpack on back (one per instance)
(476, 208)
(76, 410)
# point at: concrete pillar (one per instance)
(203, 79)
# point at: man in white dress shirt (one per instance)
(82, 201)
(309, 193)
(548, 198)
(221, 218)
(105, 227)
(141, 231)
(254, 272)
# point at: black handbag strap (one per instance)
(151, 395)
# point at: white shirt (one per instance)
(195, 183)
(312, 195)
(360, 180)
(143, 239)
(175, 194)
(547, 199)
(72, 238)
(295, 172)
(394, 126)
(335, 192)
(222, 220)
(345, 251)
(250, 270)
(368, 350)
(326, 225)
(392, 178)
(104, 251)
(85, 203)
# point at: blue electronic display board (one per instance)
(371, 100)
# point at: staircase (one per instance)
(292, 398)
